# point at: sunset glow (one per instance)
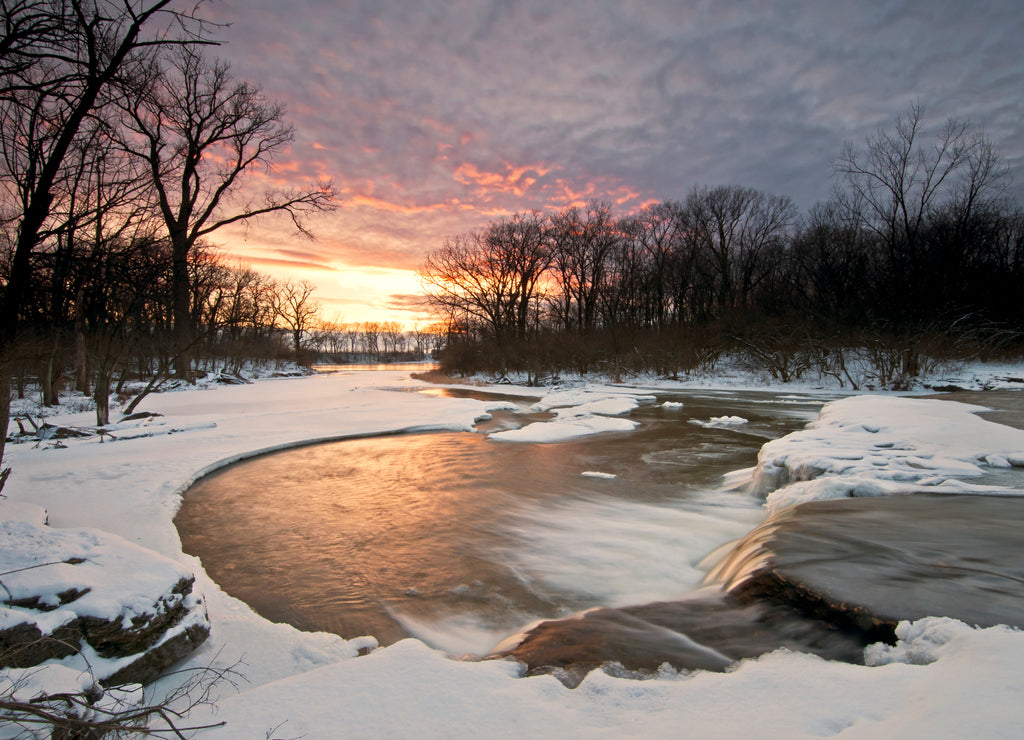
(432, 121)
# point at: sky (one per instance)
(434, 119)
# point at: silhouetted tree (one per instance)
(582, 241)
(60, 61)
(200, 132)
(492, 275)
(739, 233)
(295, 309)
(901, 179)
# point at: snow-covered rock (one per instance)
(125, 610)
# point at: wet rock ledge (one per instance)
(131, 612)
(867, 563)
(825, 577)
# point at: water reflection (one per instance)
(460, 540)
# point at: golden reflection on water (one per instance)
(359, 536)
(382, 522)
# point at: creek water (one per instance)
(460, 540)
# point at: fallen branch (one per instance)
(83, 714)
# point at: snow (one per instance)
(884, 445)
(718, 422)
(22, 511)
(578, 412)
(45, 562)
(560, 429)
(943, 679)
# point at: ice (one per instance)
(578, 412)
(720, 421)
(562, 429)
(919, 643)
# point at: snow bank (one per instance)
(43, 563)
(408, 690)
(884, 445)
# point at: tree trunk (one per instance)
(182, 312)
(81, 364)
(46, 382)
(5, 416)
(49, 377)
(101, 395)
(81, 361)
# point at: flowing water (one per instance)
(460, 540)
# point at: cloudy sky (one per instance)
(433, 118)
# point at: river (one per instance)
(460, 540)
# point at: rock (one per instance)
(825, 577)
(177, 644)
(23, 644)
(866, 564)
(67, 588)
(124, 636)
(710, 631)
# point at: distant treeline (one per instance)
(919, 253)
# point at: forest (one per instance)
(914, 258)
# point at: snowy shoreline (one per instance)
(310, 683)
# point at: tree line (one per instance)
(918, 246)
(123, 143)
(336, 342)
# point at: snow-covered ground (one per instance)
(944, 679)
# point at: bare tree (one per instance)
(655, 265)
(200, 133)
(391, 337)
(901, 178)
(491, 276)
(61, 60)
(520, 242)
(296, 309)
(369, 335)
(833, 266)
(582, 242)
(738, 230)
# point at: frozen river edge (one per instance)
(132, 488)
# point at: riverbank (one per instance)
(314, 685)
